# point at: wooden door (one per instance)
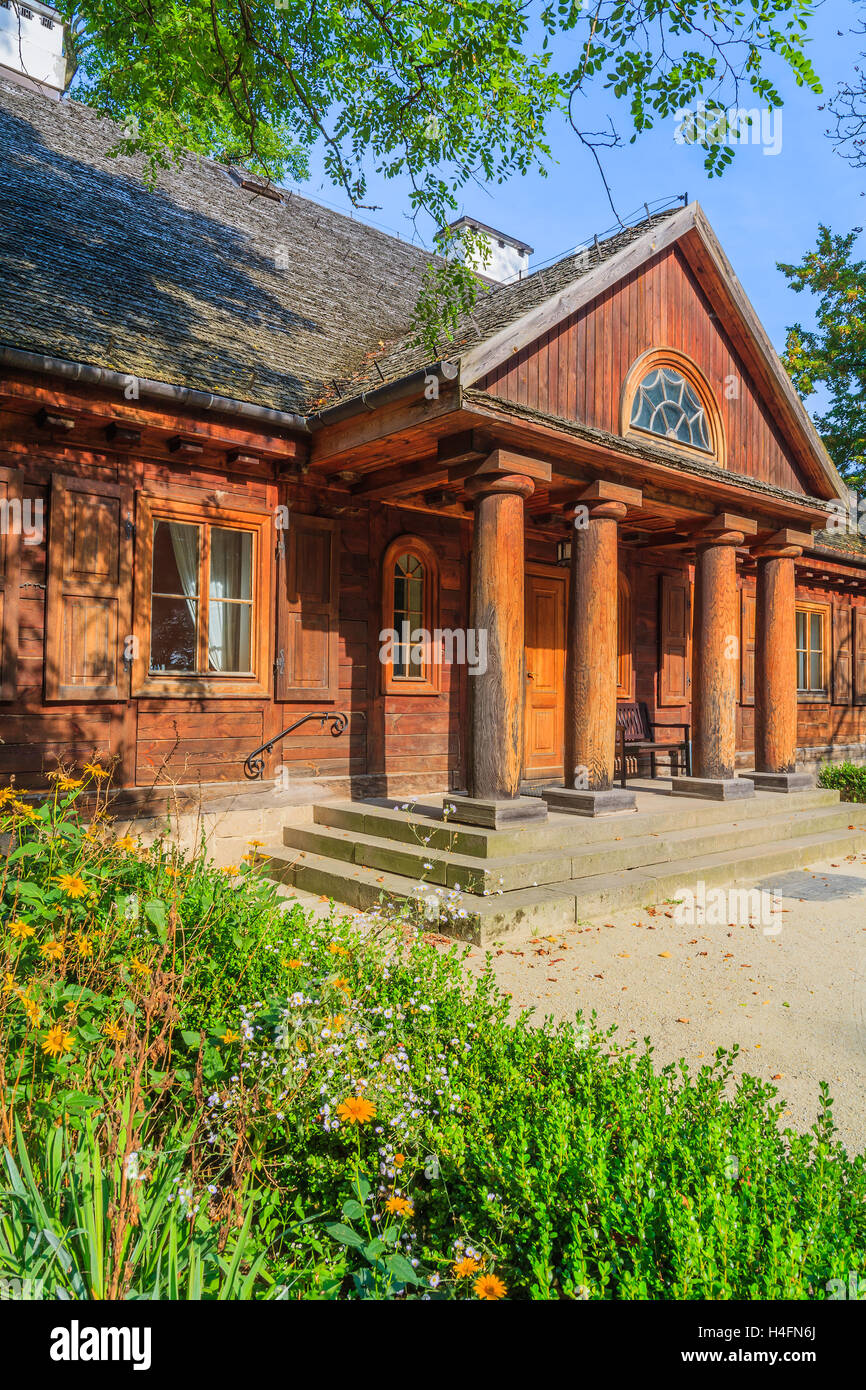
(545, 674)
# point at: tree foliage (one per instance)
(832, 356)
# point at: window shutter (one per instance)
(842, 655)
(10, 579)
(747, 647)
(674, 675)
(859, 655)
(88, 616)
(307, 636)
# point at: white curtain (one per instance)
(184, 541)
(228, 623)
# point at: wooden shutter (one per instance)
(674, 674)
(307, 636)
(842, 655)
(859, 655)
(747, 647)
(88, 613)
(10, 580)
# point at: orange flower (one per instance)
(230, 1037)
(51, 950)
(337, 950)
(399, 1206)
(58, 1041)
(72, 885)
(21, 930)
(342, 983)
(465, 1267)
(356, 1110)
(489, 1287)
(295, 964)
(336, 1024)
(399, 1160)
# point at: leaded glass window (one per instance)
(408, 616)
(665, 404)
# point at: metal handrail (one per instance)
(254, 765)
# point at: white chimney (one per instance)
(507, 258)
(31, 46)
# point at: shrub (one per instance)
(360, 1109)
(849, 779)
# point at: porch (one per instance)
(483, 884)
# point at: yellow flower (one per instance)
(256, 844)
(72, 885)
(94, 770)
(51, 950)
(230, 869)
(171, 871)
(58, 1041)
(337, 950)
(64, 782)
(342, 983)
(465, 1267)
(336, 1024)
(85, 946)
(489, 1287)
(356, 1110)
(138, 967)
(21, 930)
(399, 1206)
(114, 1032)
(32, 1010)
(295, 964)
(125, 843)
(230, 1037)
(10, 985)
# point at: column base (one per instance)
(781, 781)
(497, 815)
(588, 803)
(713, 788)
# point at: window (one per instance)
(811, 647)
(410, 607)
(200, 590)
(664, 403)
(666, 395)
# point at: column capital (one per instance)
(612, 510)
(484, 484)
(784, 544)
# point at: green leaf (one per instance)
(154, 911)
(400, 1267)
(345, 1235)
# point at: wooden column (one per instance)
(591, 650)
(591, 654)
(496, 607)
(498, 486)
(776, 665)
(715, 663)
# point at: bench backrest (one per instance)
(632, 717)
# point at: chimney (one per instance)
(31, 47)
(507, 258)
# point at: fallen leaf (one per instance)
(683, 1020)
(664, 953)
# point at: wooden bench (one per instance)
(635, 734)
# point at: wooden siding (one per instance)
(577, 369)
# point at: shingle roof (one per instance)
(199, 282)
(498, 306)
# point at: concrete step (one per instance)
(552, 907)
(424, 826)
(552, 866)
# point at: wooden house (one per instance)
(228, 474)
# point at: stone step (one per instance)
(552, 907)
(423, 825)
(551, 866)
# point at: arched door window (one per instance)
(411, 661)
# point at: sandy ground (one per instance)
(794, 1000)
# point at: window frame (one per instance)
(677, 362)
(431, 681)
(817, 696)
(202, 511)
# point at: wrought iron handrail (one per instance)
(254, 765)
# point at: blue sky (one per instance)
(765, 208)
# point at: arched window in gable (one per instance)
(410, 617)
(666, 395)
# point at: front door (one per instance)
(545, 673)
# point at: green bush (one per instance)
(358, 1115)
(849, 779)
